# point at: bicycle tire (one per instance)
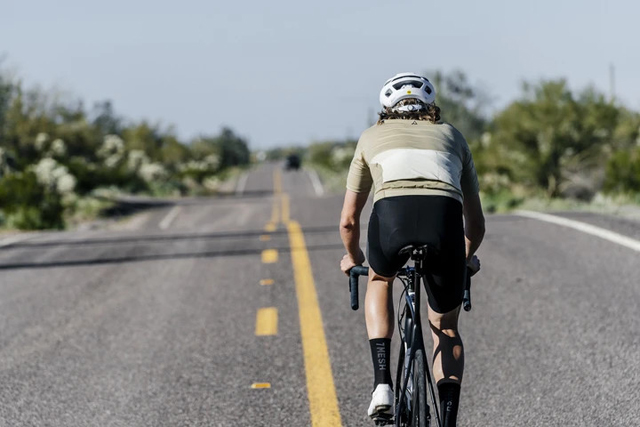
(420, 410)
(399, 375)
(404, 397)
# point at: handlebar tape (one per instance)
(466, 298)
(354, 274)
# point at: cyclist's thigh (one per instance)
(434, 220)
(393, 225)
(381, 260)
(441, 225)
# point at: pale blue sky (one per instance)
(289, 72)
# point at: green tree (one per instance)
(105, 119)
(231, 149)
(173, 152)
(144, 137)
(234, 150)
(551, 138)
(623, 172)
(6, 93)
(25, 118)
(627, 134)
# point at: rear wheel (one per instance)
(404, 398)
(399, 377)
(419, 408)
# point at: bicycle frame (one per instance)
(411, 279)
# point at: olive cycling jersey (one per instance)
(420, 172)
(412, 157)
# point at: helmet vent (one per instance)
(415, 83)
(403, 76)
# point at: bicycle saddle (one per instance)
(419, 252)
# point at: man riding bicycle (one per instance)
(425, 182)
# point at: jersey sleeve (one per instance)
(359, 179)
(469, 179)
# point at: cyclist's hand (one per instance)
(474, 265)
(348, 263)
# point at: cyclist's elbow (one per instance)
(351, 209)
(480, 225)
(475, 227)
(348, 222)
(481, 231)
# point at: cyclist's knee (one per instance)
(377, 278)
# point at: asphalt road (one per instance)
(155, 322)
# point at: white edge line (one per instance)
(242, 183)
(585, 228)
(168, 219)
(315, 181)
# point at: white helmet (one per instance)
(407, 85)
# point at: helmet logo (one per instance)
(408, 92)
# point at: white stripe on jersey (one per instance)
(417, 163)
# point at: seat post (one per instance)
(419, 255)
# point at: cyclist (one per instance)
(424, 184)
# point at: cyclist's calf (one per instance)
(378, 306)
(448, 351)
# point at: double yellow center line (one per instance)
(323, 401)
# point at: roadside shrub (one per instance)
(502, 200)
(28, 205)
(332, 155)
(320, 154)
(623, 172)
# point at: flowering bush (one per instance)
(341, 155)
(58, 148)
(151, 172)
(54, 176)
(332, 155)
(54, 154)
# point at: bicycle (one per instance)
(411, 406)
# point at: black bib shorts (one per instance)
(421, 219)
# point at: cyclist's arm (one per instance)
(473, 216)
(350, 224)
(473, 224)
(359, 183)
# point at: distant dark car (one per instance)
(293, 162)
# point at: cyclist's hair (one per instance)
(429, 112)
